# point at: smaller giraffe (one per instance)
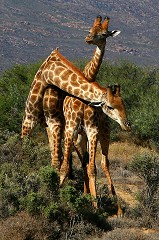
(53, 111)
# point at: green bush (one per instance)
(14, 87)
(32, 202)
(51, 211)
(49, 177)
(19, 173)
(68, 196)
(139, 89)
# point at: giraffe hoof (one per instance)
(120, 213)
(62, 179)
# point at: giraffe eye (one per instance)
(110, 108)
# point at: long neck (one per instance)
(91, 69)
(67, 77)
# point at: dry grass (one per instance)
(20, 227)
(123, 152)
(26, 227)
(129, 234)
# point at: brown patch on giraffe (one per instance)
(38, 75)
(58, 71)
(77, 104)
(64, 85)
(76, 107)
(51, 75)
(88, 111)
(36, 87)
(33, 98)
(56, 80)
(69, 89)
(72, 122)
(52, 68)
(84, 87)
(60, 64)
(74, 77)
(75, 82)
(66, 74)
(31, 108)
(52, 58)
(48, 65)
(76, 91)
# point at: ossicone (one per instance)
(97, 21)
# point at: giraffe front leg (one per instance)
(104, 138)
(111, 188)
(91, 167)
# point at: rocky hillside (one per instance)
(29, 30)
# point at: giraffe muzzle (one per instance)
(88, 40)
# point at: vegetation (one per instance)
(139, 88)
(31, 203)
(146, 166)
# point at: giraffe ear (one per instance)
(96, 104)
(115, 33)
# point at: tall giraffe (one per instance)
(93, 120)
(53, 107)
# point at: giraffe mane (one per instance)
(69, 64)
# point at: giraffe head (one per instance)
(113, 106)
(99, 32)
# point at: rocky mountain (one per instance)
(30, 30)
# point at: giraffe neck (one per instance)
(63, 74)
(92, 68)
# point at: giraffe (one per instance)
(94, 121)
(53, 108)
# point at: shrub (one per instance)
(49, 177)
(146, 166)
(14, 88)
(32, 202)
(68, 195)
